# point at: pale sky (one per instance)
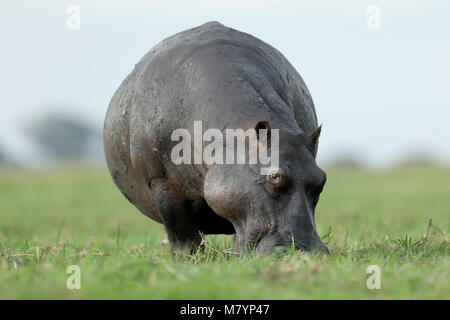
(380, 94)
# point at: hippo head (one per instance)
(276, 210)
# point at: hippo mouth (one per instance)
(275, 243)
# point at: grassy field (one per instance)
(76, 216)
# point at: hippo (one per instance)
(225, 79)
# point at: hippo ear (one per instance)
(263, 125)
(314, 135)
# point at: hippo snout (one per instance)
(281, 244)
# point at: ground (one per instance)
(75, 215)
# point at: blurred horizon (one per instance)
(382, 95)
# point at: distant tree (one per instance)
(346, 162)
(63, 137)
(417, 159)
(2, 156)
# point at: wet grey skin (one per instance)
(227, 79)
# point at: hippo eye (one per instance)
(277, 178)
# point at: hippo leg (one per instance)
(183, 234)
(236, 247)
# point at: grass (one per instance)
(50, 220)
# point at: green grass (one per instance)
(75, 216)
